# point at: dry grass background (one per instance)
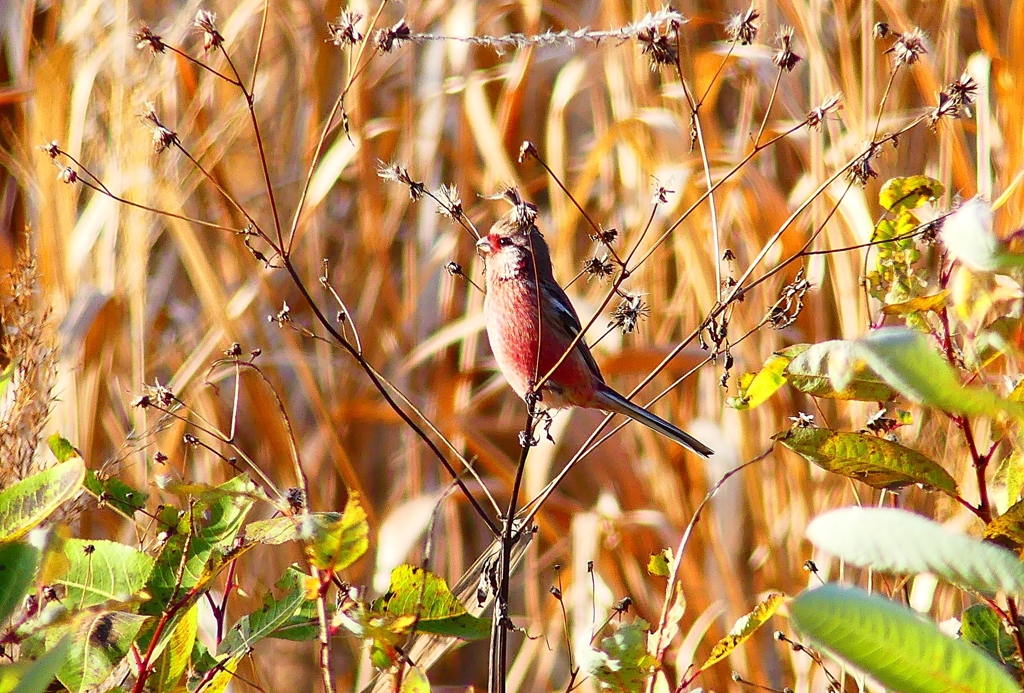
(137, 298)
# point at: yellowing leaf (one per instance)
(921, 304)
(744, 628)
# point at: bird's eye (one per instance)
(504, 241)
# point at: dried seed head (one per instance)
(659, 47)
(67, 175)
(909, 48)
(598, 268)
(742, 28)
(880, 30)
(52, 149)
(145, 38)
(451, 202)
(523, 213)
(163, 137)
(817, 116)
(527, 148)
(628, 314)
(604, 236)
(388, 39)
(206, 22)
(785, 59)
(397, 173)
(861, 171)
(344, 32)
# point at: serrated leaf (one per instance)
(417, 593)
(621, 662)
(1007, 530)
(877, 462)
(30, 501)
(34, 677)
(18, 563)
(894, 645)
(658, 564)
(100, 640)
(899, 194)
(755, 391)
(982, 627)
(744, 628)
(337, 545)
(116, 493)
(897, 541)
(834, 370)
(907, 361)
(100, 571)
(262, 623)
(172, 662)
(921, 304)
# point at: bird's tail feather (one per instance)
(614, 402)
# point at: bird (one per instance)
(520, 287)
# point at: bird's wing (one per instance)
(564, 316)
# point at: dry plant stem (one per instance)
(228, 196)
(659, 646)
(383, 390)
(768, 108)
(429, 424)
(104, 190)
(323, 578)
(712, 208)
(338, 103)
(249, 102)
(1015, 627)
(502, 623)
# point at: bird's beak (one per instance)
(483, 246)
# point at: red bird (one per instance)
(516, 256)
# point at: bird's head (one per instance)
(510, 248)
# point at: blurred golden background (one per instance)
(136, 298)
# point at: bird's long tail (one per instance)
(614, 402)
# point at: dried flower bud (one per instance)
(598, 268)
(817, 116)
(880, 30)
(528, 148)
(861, 170)
(163, 137)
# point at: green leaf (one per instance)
(115, 492)
(981, 626)
(899, 194)
(18, 563)
(744, 628)
(1014, 476)
(280, 530)
(622, 662)
(34, 677)
(755, 390)
(172, 662)
(101, 570)
(658, 565)
(100, 640)
(834, 370)
(418, 593)
(935, 302)
(337, 545)
(274, 614)
(415, 681)
(894, 645)
(1007, 530)
(29, 502)
(204, 533)
(877, 462)
(897, 541)
(907, 361)
(62, 449)
(5, 377)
